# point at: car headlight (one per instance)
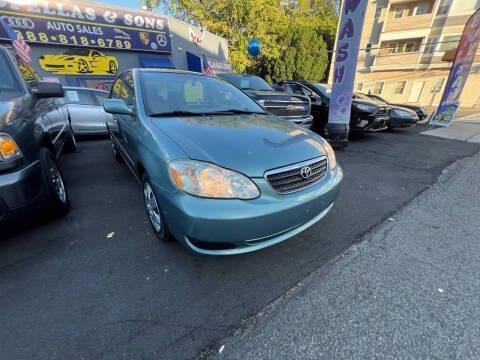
(365, 107)
(9, 149)
(332, 159)
(211, 181)
(402, 114)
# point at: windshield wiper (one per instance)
(234, 111)
(176, 113)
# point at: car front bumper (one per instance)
(402, 122)
(369, 124)
(305, 121)
(19, 189)
(228, 227)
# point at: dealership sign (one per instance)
(462, 64)
(348, 41)
(86, 25)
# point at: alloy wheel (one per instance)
(57, 181)
(82, 67)
(152, 207)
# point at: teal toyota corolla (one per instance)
(219, 173)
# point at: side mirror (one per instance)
(45, 90)
(116, 106)
(314, 97)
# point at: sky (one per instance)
(134, 4)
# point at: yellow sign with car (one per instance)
(79, 62)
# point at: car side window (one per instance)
(116, 91)
(128, 89)
(296, 89)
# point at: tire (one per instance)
(70, 146)
(154, 213)
(82, 67)
(112, 67)
(116, 153)
(57, 198)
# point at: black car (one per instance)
(294, 108)
(420, 111)
(366, 116)
(34, 131)
(400, 117)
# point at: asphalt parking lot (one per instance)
(98, 285)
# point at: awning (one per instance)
(194, 62)
(156, 61)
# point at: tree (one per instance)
(295, 34)
(305, 56)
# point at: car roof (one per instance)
(167, 71)
(82, 88)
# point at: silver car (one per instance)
(86, 110)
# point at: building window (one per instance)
(422, 9)
(449, 43)
(442, 10)
(411, 47)
(438, 85)
(398, 12)
(368, 48)
(399, 87)
(431, 45)
(378, 89)
(359, 86)
(378, 12)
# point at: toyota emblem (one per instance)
(306, 172)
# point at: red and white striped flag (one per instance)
(207, 70)
(21, 47)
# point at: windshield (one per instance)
(9, 86)
(84, 97)
(187, 94)
(325, 89)
(247, 82)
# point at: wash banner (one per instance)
(346, 56)
(462, 64)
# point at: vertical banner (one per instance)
(346, 56)
(462, 64)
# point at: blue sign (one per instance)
(346, 56)
(86, 25)
(254, 47)
(464, 58)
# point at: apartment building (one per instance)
(407, 49)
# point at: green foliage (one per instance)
(295, 34)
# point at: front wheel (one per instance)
(58, 200)
(154, 212)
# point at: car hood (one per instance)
(250, 144)
(11, 116)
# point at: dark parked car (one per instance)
(420, 111)
(294, 108)
(400, 117)
(366, 116)
(34, 131)
(85, 107)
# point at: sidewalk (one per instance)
(410, 290)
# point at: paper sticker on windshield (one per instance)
(72, 96)
(193, 91)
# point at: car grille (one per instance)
(287, 107)
(290, 178)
